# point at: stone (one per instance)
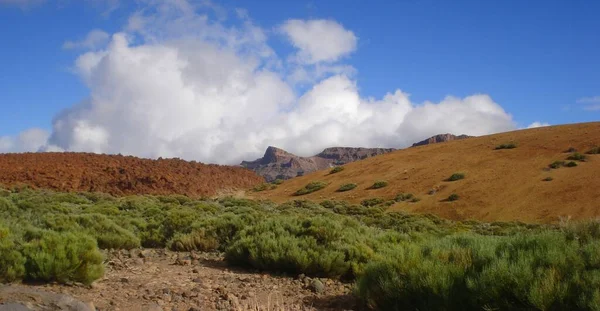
(317, 286)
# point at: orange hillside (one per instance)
(499, 185)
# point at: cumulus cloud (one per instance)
(30, 140)
(537, 124)
(93, 40)
(177, 83)
(319, 40)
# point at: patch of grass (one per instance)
(452, 197)
(311, 187)
(263, 187)
(556, 164)
(336, 169)
(379, 184)
(346, 187)
(456, 176)
(595, 150)
(548, 179)
(571, 164)
(372, 202)
(510, 145)
(277, 181)
(577, 157)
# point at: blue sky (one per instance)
(535, 59)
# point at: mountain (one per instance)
(440, 138)
(501, 183)
(280, 164)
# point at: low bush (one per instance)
(277, 181)
(401, 197)
(452, 197)
(576, 157)
(12, 263)
(595, 150)
(571, 164)
(456, 176)
(379, 184)
(263, 187)
(570, 150)
(556, 164)
(346, 187)
(311, 187)
(63, 257)
(548, 179)
(372, 202)
(510, 145)
(336, 169)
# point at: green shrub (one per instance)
(401, 197)
(456, 176)
(12, 263)
(571, 150)
(277, 181)
(548, 179)
(336, 169)
(311, 187)
(263, 187)
(194, 241)
(577, 157)
(379, 184)
(414, 200)
(556, 164)
(372, 202)
(595, 150)
(510, 145)
(63, 257)
(571, 164)
(452, 197)
(346, 187)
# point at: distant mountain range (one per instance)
(280, 164)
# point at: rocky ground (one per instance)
(163, 280)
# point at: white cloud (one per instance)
(319, 40)
(589, 100)
(30, 140)
(175, 83)
(24, 4)
(93, 40)
(537, 124)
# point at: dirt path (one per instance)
(162, 280)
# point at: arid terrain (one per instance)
(121, 175)
(499, 185)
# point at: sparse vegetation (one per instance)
(595, 150)
(263, 187)
(452, 197)
(346, 187)
(311, 187)
(510, 145)
(571, 164)
(577, 157)
(401, 197)
(556, 164)
(456, 176)
(379, 184)
(548, 179)
(571, 150)
(372, 202)
(277, 181)
(336, 169)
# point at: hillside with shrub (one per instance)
(121, 175)
(534, 175)
(397, 261)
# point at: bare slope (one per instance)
(121, 175)
(502, 184)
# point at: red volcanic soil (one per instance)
(121, 175)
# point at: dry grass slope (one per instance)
(500, 185)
